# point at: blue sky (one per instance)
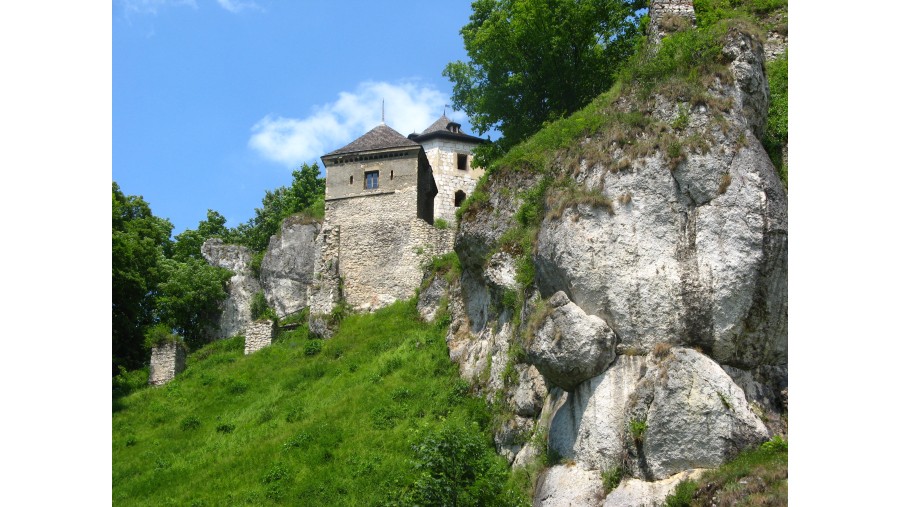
(215, 101)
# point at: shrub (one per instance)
(259, 307)
(611, 478)
(189, 423)
(256, 263)
(637, 428)
(683, 494)
(457, 466)
(225, 428)
(158, 335)
(440, 223)
(777, 444)
(312, 347)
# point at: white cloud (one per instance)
(409, 107)
(152, 6)
(237, 5)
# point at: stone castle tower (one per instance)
(449, 151)
(383, 192)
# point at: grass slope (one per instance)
(755, 478)
(307, 422)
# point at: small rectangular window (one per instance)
(461, 161)
(371, 180)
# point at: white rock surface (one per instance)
(568, 486)
(696, 417)
(287, 267)
(635, 492)
(589, 427)
(571, 346)
(241, 287)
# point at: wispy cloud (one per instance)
(409, 107)
(237, 5)
(152, 6)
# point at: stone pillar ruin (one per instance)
(257, 335)
(666, 16)
(166, 361)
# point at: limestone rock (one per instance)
(501, 271)
(633, 492)
(512, 436)
(430, 299)
(527, 398)
(241, 287)
(588, 427)
(287, 267)
(568, 486)
(694, 416)
(696, 255)
(571, 346)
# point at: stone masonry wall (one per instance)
(257, 335)
(661, 11)
(166, 361)
(378, 251)
(324, 292)
(441, 155)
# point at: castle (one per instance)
(384, 193)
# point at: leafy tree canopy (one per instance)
(305, 192)
(187, 244)
(188, 298)
(139, 241)
(533, 61)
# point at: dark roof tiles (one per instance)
(379, 138)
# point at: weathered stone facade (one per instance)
(443, 155)
(166, 361)
(666, 16)
(380, 194)
(257, 335)
(381, 246)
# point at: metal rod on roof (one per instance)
(382, 111)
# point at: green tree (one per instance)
(139, 243)
(533, 61)
(306, 190)
(187, 244)
(188, 297)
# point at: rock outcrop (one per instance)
(589, 427)
(686, 413)
(241, 287)
(662, 340)
(697, 255)
(287, 267)
(570, 346)
(568, 486)
(633, 492)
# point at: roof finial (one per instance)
(382, 111)
(445, 109)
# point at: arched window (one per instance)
(459, 198)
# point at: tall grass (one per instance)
(281, 427)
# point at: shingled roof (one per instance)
(442, 128)
(379, 138)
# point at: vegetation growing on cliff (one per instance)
(534, 61)
(376, 416)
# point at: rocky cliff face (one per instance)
(657, 319)
(241, 286)
(287, 268)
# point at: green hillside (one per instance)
(376, 415)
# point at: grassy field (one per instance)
(353, 420)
